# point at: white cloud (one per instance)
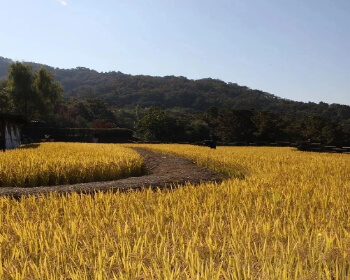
(63, 3)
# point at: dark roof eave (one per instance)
(14, 118)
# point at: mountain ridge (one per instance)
(125, 90)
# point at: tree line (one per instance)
(163, 109)
(241, 126)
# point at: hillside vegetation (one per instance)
(178, 109)
(170, 91)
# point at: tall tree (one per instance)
(268, 126)
(33, 93)
(211, 118)
(236, 125)
(20, 85)
(6, 104)
(154, 125)
(100, 111)
(48, 92)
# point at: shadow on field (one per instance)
(30, 146)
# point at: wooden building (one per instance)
(10, 131)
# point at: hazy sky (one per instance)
(295, 49)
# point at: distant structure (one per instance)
(10, 133)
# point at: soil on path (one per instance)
(160, 171)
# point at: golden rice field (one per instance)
(66, 163)
(286, 218)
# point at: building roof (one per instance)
(13, 118)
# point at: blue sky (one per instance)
(297, 49)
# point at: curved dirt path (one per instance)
(161, 171)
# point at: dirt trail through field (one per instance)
(161, 171)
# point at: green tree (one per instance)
(268, 126)
(236, 125)
(100, 111)
(49, 92)
(6, 104)
(197, 130)
(211, 118)
(33, 93)
(320, 129)
(310, 127)
(153, 126)
(20, 86)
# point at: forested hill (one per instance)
(122, 90)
